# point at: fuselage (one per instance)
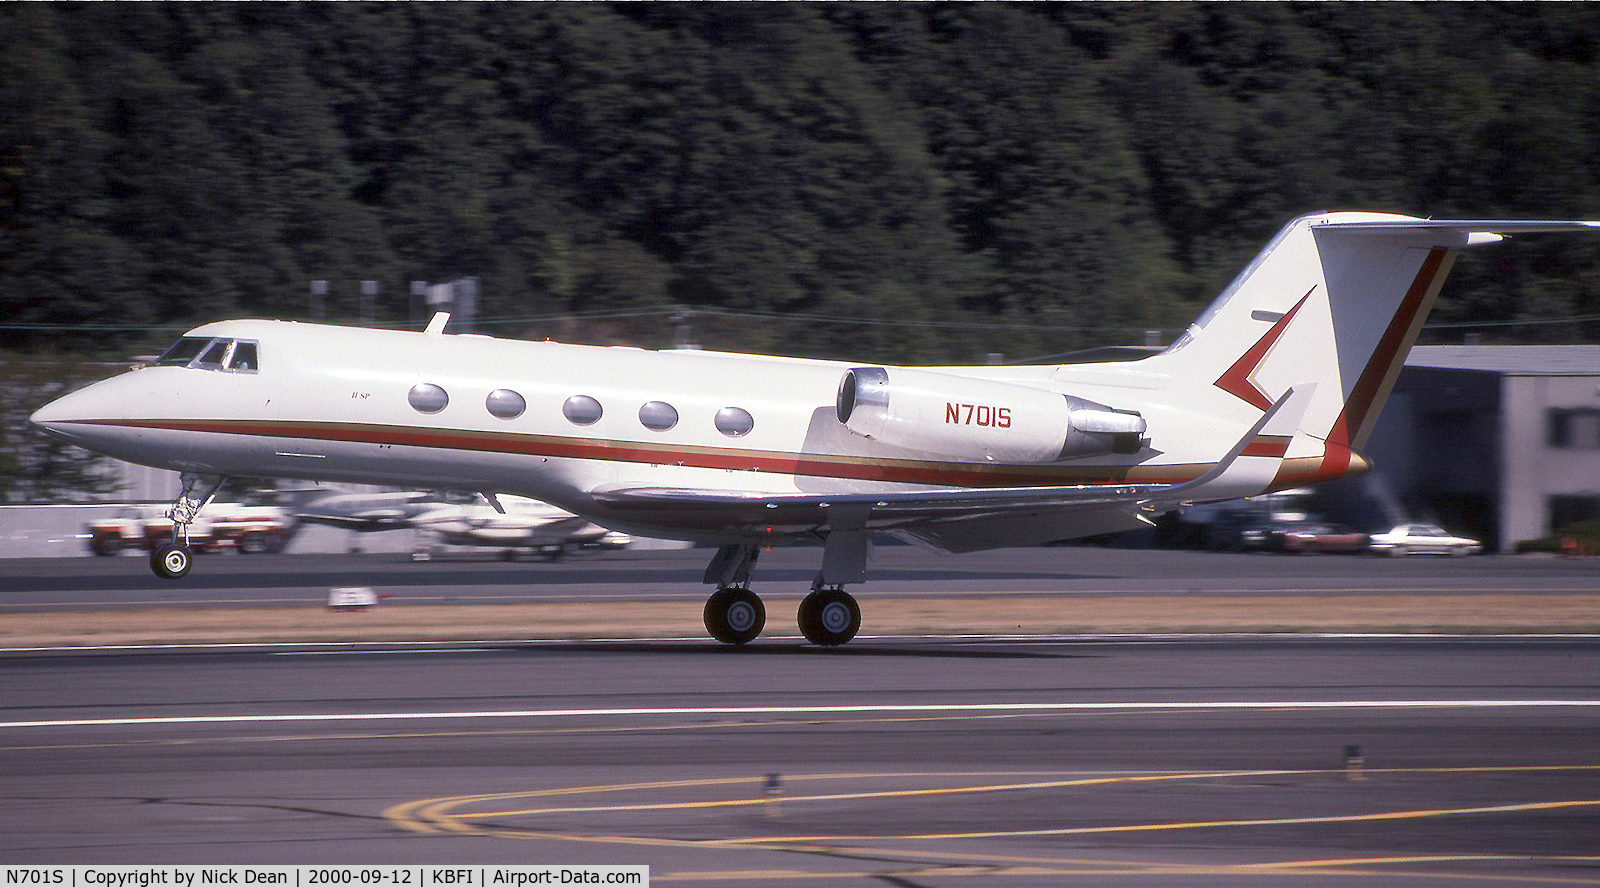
(557, 422)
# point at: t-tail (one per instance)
(1335, 301)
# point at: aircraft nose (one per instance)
(52, 416)
(121, 417)
(74, 417)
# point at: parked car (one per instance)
(249, 529)
(1322, 538)
(1422, 539)
(1226, 532)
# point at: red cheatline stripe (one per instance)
(904, 471)
(1268, 445)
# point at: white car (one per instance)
(1422, 539)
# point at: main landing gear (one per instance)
(829, 616)
(173, 558)
(735, 615)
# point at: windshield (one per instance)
(208, 353)
(182, 352)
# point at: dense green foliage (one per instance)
(35, 468)
(1581, 538)
(890, 181)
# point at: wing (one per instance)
(364, 521)
(965, 519)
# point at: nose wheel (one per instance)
(171, 561)
(829, 617)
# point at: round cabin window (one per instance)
(506, 404)
(735, 422)
(582, 410)
(658, 416)
(426, 397)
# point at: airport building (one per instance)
(1498, 441)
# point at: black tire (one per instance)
(106, 545)
(829, 617)
(171, 562)
(253, 543)
(735, 616)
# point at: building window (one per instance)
(426, 397)
(1576, 429)
(735, 422)
(582, 410)
(505, 403)
(658, 416)
(1570, 509)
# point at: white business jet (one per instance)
(1277, 385)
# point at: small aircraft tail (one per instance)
(1335, 300)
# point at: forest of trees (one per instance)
(894, 182)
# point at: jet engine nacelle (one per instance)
(965, 418)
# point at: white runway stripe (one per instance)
(906, 708)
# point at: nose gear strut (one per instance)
(172, 559)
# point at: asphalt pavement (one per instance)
(933, 750)
(928, 762)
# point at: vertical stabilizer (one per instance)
(1335, 300)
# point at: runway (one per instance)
(482, 576)
(999, 721)
(928, 762)
(55, 602)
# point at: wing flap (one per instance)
(888, 510)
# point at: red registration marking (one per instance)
(977, 414)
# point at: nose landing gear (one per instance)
(172, 559)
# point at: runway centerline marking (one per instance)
(842, 709)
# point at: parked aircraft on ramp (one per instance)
(1276, 385)
(504, 522)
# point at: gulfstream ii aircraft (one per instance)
(1276, 385)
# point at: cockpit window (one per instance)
(206, 353)
(182, 352)
(214, 355)
(244, 357)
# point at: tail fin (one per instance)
(1335, 299)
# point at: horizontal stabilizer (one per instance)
(1492, 226)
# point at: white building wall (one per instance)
(1533, 470)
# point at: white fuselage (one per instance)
(334, 403)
